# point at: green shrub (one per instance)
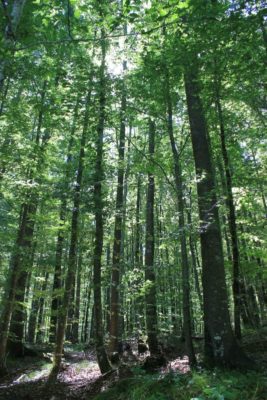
(204, 385)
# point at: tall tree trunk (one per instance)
(151, 300)
(98, 205)
(18, 319)
(117, 244)
(71, 269)
(221, 347)
(61, 235)
(182, 235)
(231, 216)
(18, 269)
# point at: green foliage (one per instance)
(216, 385)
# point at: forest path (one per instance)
(79, 379)
(27, 377)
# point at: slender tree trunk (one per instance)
(61, 235)
(107, 310)
(3, 100)
(194, 262)
(137, 252)
(75, 326)
(231, 217)
(98, 204)
(151, 300)
(138, 258)
(33, 315)
(116, 259)
(87, 311)
(40, 330)
(182, 235)
(260, 183)
(220, 344)
(70, 277)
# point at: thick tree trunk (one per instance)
(17, 269)
(221, 347)
(151, 300)
(18, 319)
(20, 260)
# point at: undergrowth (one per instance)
(205, 385)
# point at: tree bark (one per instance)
(182, 234)
(151, 300)
(98, 205)
(231, 217)
(221, 347)
(117, 243)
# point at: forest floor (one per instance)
(81, 379)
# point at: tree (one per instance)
(71, 270)
(98, 207)
(220, 345)
(151, 302)
(117, 244)
(180, 202)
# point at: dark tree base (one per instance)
(153, 363)
(18, 349)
